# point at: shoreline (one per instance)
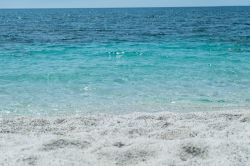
(164, 138)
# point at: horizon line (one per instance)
(128, 7)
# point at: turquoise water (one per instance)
(64, 61)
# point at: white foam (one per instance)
(215, 138)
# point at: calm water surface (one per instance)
(63, 61)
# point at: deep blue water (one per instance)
(123, 60)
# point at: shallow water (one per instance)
(123, 60)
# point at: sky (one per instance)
(117, 3)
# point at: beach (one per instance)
(199, 138)
(125, 86)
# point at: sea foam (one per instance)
(215, 138)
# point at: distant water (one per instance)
(123, 60)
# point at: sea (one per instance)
(123, 60)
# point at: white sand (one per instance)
(156, 139)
